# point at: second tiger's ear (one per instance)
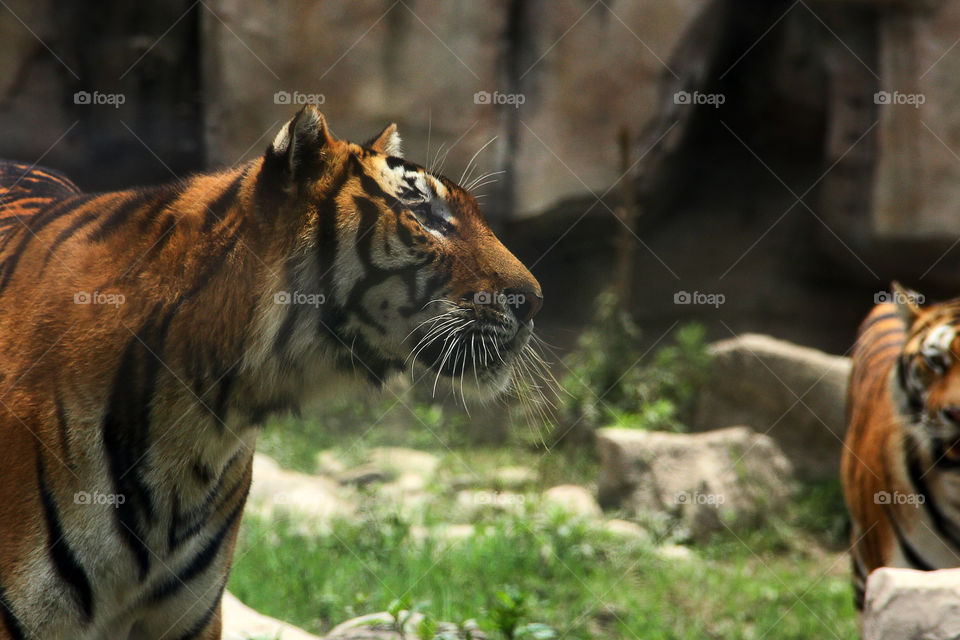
(300, 142)
(386, 142)
(907, 302)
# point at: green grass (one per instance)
(580, 580)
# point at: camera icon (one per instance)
(281, 297)
(682, 297)
(882, 296)
(682, 497)
(82, 97)
(882, 97)
(81, 297)
(681, 97)
(483, 297)
(282, 97)
(881, 497)
(481, 97)
(81, 497)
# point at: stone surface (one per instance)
(903, 604)
(514, 478)
(316, 499)
(729, 477)
(627, 530)
(581, 71)
(382, 626)
(916, 173)
(573, 499)
(240, 622)
(794, 394)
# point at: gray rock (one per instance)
(572, 499)
(729, 477)
(794, 394)
(382, 626)
(240, 622)
(903, 604)
(314, 499)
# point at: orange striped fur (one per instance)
(147, 333)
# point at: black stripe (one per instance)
(200, 562)
(157, 197)
(876, 319)
(911, 554)
(201, 624)
(944, 526)
(64, 560)
(285, 332)
(10, 620)
(126, 432)
(34, 226)
(217, 209)
(77, 224)
(186, 525)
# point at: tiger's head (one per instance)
(927, 388)
(393, 267)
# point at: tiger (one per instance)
(900, 467)
(147, 334)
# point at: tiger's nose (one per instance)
(525, 302)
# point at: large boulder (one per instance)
(903, 604)
(725, 478)
(794, 394)
(240, 622)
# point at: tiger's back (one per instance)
(26, 189)
(870, 428)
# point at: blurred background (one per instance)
(716, 167)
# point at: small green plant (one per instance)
(427, 629)
(400, 610)
(509, 608)
(611, 380)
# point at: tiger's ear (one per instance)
(907, 302)
(386, 142)
(300, 143)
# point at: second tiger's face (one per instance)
(928, 376)
(412, 274)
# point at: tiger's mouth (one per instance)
(476, 358)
